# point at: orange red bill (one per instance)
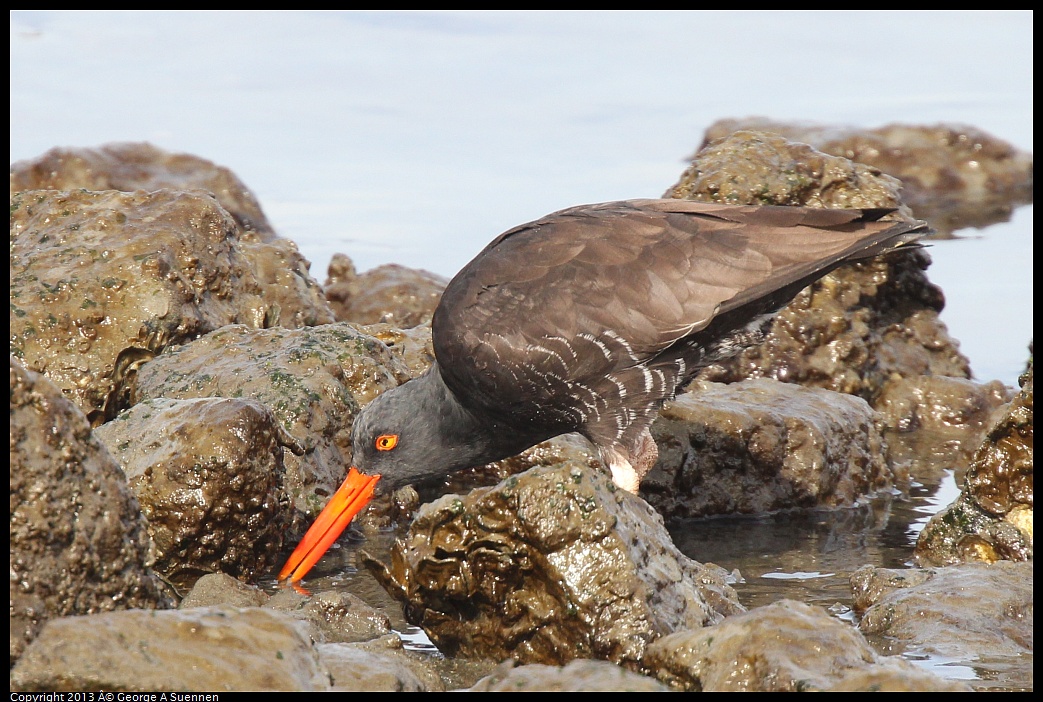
(354, 494)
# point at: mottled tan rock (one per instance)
(313, 379)
(336, 617)
(207, 649)
(896, 674)
(760, 446)
(209, 475)
(965, 532)
(940, 402)
(398, 666)
(787, 646)
(971, 613)
(549, 565)
(992, 517)
(103, 281)
(413, 345)
(857, 327)
(936, 423)
(954, 175)
(392, 294)
(131, 166)
(576, 676)
(355, 669)
(221, 589)
(295, 297)
(757, 167)
(1000, 478)
(78, 542)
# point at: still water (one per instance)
(414, 137)
(803, 556)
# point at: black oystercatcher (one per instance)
(587, 321)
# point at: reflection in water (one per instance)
(806, 556)
(809, 555)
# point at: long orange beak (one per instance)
(354, 494)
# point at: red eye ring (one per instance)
(386, 442)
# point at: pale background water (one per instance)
(414, 137)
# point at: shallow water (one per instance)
(810, 556)
(414, 137)
(806, 556)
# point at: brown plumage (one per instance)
(590, 318)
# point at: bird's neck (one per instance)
(466, 439)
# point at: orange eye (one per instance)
(386, 442)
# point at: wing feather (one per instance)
(634, 276)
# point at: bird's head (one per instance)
(397, 436)
(409, 434)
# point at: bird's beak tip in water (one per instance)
(354, 494)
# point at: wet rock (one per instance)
(935, 423)
(895, 674)
(975, 614)
(436, 673)
(571, 448)
(313, 379)
(382, 664)
(336, 617)
(355, 669)
(78, 542)
(965, 532)
(992, 518)
(221, 589)
(954, 175)
(295, 297)
(103, 281)
(391, 294)
(550, 565)
(857, 327)
(760, 446)
(130, 166)
(787, 646)
(209, 476)
(413, 345)
(860, 329)
(205, 649)
(762, 168)
(940, 402)
(576, 676)
(1000, 480)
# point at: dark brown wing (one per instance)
(562, 302)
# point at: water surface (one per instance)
(415, 137)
